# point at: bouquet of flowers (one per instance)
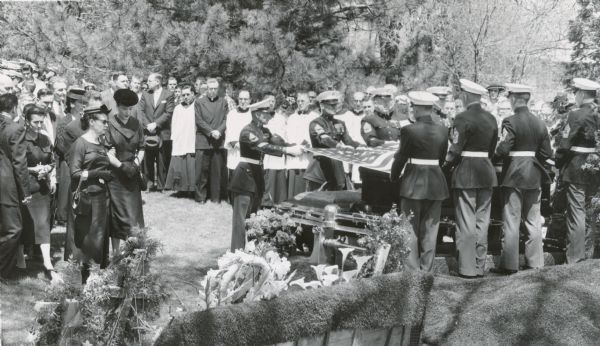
(273, 227)
(256, 273)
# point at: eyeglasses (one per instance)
(104, 122)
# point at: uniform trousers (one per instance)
(296, 182)
(581, 226)
(522, 204)
(211, 175)
(425, 222)
(276, 188)
(161, 157)
(472, 208)
(243, 206)
(11, 226)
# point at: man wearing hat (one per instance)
(474, 136)
(247, 182)
(423, 187)
(379, 127)
(524, 147)
(442, 94)
(76, 101)
(328, 132)
(494, 91)
(577, 142)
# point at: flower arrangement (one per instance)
(114, 305)
(257, 273)
(394, 230)
(273, 227)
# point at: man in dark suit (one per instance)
(525, 147)
(423, 187)
(211, 113)
(474, 138)
(117, 80)
(14, 185)
(156, 107)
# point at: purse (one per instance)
(81, 202)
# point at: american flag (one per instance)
(377, 158)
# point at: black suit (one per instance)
(14, 186)
(161, 114)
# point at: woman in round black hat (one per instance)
(125, 137)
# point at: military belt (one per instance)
(522, 153)
(583, 150)
(424, 162)
(475, 154)
(253, 161)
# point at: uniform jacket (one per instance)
(328, 132)
(428, 140)
(14, 176)
(474, 130)
(523, 131)
(210, 115)
(255, 142)
(375, 130)
(579, 131)
(160, 113)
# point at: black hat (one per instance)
(76, 93)
(95, 110)
(126, 97)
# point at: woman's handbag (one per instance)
(81, 201)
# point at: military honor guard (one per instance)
(524, 147)
(442, 93)
(474, 137)
(379, 128)
(328, 132)
(577, 142)
(423, 147)
(247, 182)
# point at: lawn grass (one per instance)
(193, 237)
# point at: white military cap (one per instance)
(585, 84)
(370, 89)
(472, 87)
(402, 99)
(329, 95)
(422, 98)
(518, 88)
(438, 90)
(261, 105)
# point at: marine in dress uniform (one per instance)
(14, 185)
(442, 93)
(247, 182)
(379, 128)
(577, 142)
(525, 147)
(328, 132)
(423, 147)
(474, 137)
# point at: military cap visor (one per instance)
(438, 90)
(330, 95)
(422, 98)
(125, 97)
(514, 88)
(497, 87)
(263, 106)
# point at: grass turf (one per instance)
(390, 300)
(557, 305)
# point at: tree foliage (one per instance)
(584, 34)
(284, 45)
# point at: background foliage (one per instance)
(284, 45)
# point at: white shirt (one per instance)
(353, 124)
(278, 126)
(234, 124)
(298, 133)
(183, 130)
(156, 96)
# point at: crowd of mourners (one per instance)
(80, 155)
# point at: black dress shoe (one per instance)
(502, 271)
